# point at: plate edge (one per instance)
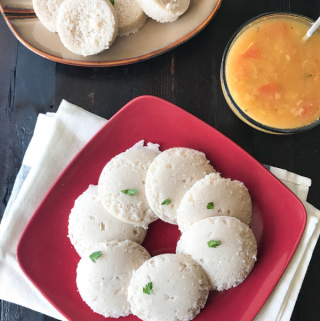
(122, 62)
(128, 105)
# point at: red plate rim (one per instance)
(128, 105)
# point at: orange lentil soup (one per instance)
(274, 76)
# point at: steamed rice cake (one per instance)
(122, 185)
(91, 223)
(170, 176)
(224, 247)
(103, 284)
(130, 16)
(169, 287)
(214, 196)
(164, 10)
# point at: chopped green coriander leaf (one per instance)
(148, 288)
(112, 2)
(310, 75)
(166, 202)
(130, 192)
(214, 243)
(210, 206)
(94, 256)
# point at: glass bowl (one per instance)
(228, 95)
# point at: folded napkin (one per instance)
(57, 139)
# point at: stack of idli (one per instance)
(116, 276)
(87, 27)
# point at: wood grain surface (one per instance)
(187, 76)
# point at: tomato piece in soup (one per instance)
(269, 89)
(252, 51)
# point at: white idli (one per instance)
(90, 223)
(103, 285)
(47, 12)
(180, 289)
(87, 27)
(170, 176)
(130, 16)
(227, 197)
(228, 264)
(164, 10)
(127, 171)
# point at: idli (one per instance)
(122, 185)
(168, 287)
(47, 12)
(87, 27)
(214, 196)
(130, 16)
(104, 276)
(170, 176)
(164, 10)
(224, 247)
(90, 223)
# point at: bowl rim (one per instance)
(225, 87)
(27, 14)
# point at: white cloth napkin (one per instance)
(57, 139)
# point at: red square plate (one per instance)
(47, 258)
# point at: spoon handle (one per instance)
(312, 30)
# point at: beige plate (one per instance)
(152, 40)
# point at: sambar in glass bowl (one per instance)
(271, 77)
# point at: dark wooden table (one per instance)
(187, 76)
